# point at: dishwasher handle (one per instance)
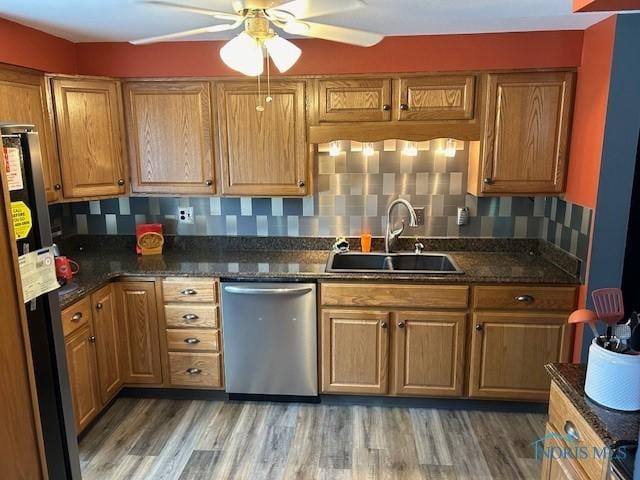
(266, 291)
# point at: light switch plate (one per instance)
(419, 215)
(185, 215)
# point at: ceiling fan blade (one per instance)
(315, 8)
(187, 33)
(187, 8)
(333, 33)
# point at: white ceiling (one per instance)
(123, 20)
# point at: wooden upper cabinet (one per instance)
(139, 338)
(526, 127)
(354, 351)
(509, 351)
(23, 99)
(436, 97)
(82, 376)
(354, 100)
(90, 128)
(105, 327)
(429, 353)
(169, 126)
(262, 153)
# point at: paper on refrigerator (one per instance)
(38, 273)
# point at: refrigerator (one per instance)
(23, 167)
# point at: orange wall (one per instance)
(590, 110)
(28, 47)
(393, 54)
(605, 5)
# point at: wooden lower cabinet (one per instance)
(139, 338)
(429, 353)
(81, 364)
(354, 351)
(107, 344)
(509, 351)
(559, 467)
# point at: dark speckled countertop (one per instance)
(485, 261)
(612, 426)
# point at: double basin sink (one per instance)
(423, 263)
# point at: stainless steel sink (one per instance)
(435, 263)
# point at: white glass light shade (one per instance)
(244, 54)
(283, 53)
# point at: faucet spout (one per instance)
(392, 236)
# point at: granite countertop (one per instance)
(612, 426)
(100, 262)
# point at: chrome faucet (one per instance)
(392, 235)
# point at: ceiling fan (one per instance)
(246, 52)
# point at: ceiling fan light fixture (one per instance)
(283, 53)
(297, 28)
(243, 54)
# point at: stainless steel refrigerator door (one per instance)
(270, 338)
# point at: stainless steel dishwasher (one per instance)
(270, 338)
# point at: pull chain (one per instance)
(269, 98)
(259, 107)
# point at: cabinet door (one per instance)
(354, 100)
(82, 376)
(262, 153)
(429, 353)
(525, 132)
(170, 129)
(138, 317)
(436, 97)
(354, 351)
(105, 328)
(557, 467)
(509, 351)
(89, 123)
(23, 100)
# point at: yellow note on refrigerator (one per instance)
(37, 273)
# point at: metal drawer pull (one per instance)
(190, 316)
(571, 430)
(76, 317)
(191, 340)
(92, 339)
(400, 324)
(188, 291)
(524, 298)
(265, 291)
(193, 371)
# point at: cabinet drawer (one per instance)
(382, 295)
(524, 297)
(190, 316)
(193, 339)
(564, 418)
(76, 316)
(196, 369)
(197, 290)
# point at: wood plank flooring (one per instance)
(182, 439)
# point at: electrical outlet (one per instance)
(185, 215)
(419, 215)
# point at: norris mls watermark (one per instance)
(571, 450)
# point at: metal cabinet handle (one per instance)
(92, 339)
(488, 181)
(386, 107)
(208, 183)
(404, 106)
(479, 327)
(383, 325)
(76, 317)
(191, 340)
(524, 298)
(400, 324)
(121, 182)
(188, 291)
(190, 316)
(98, 306)
(300, 183)
(57, 186)
(571, 430)
(193, 371)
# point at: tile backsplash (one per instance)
(351, 195)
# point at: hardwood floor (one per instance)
(183, 439)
